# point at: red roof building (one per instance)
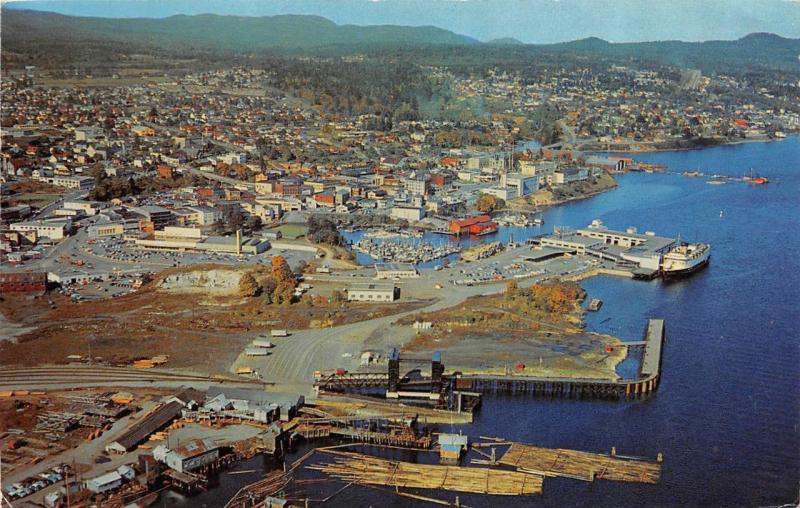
(478, 225)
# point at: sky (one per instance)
(530, 21)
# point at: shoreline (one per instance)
(651, 149)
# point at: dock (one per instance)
(461, 392)
(576, 388)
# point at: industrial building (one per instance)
(54, 230)
(373, 293)
(395, 271)
(23, 282)
(193, 239)
(478, 225)
(140, 432)
(193, 455)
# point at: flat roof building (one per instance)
(395, 271)
(159, 216)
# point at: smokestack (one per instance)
(238, 242)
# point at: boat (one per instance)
(757, 180)
(595, 304)
(685, 259)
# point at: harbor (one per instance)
(405, 252)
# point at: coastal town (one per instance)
(202, 268)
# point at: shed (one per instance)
(142, 430)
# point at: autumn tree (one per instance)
(284, 280)
(248, 285)
(511, 290)
(488, 203)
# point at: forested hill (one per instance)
(757, 49)
(210, 31)
(43, 34)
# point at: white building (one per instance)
(110, 481)
(570, 175)
(84, 206)
(373, 293)
(53, 229)
(523, 184)
(193, 455)
(73, 182)
(205, 215)
(396, 271)
(410, 213)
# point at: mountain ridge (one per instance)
(35, 31)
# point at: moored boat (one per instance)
(685, 259)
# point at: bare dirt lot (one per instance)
(202, 332)
(535, 332)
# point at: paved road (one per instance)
(219, 178)
(293, 361)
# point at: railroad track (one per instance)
(95, 374)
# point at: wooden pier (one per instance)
(447, 388)
(644, 384)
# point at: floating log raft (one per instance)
(581, 465)
(364, 469)
(255, 493)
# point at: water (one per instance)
(727, 413)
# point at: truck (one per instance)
(279, 333)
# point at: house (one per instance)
(165, 171)
(373, 293)
(142, 131)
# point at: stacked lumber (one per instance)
(581, 465)
(364, 469)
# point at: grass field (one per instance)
(37, 200)
(291, 231)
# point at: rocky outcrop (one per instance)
(215, 281)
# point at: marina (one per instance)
(405, 252)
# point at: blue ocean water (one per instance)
(727, 413)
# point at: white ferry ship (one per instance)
(685, 259)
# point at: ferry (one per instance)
(685, 259)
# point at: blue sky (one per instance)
(534, 21)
